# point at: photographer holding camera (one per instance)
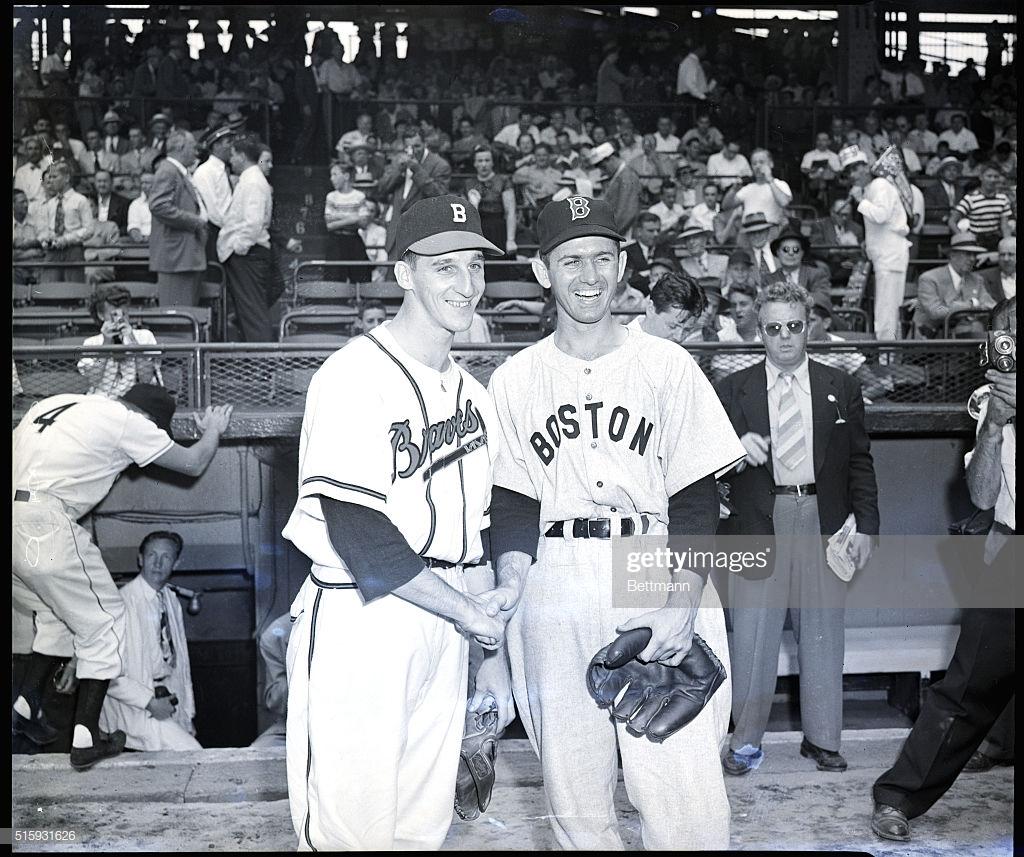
(113, 375)
(959, 710)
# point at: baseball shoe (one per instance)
(738, 763)
(37, 729)
(980, 762)
(827, 760)
(890, 823)
(110, 744)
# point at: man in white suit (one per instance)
(885, 238)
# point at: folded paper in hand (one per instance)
(838, 551)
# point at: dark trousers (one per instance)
(957, 713)
(247, 284)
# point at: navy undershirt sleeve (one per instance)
(374, 550)
(694, 511)
(515, 523)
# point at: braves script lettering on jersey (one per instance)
(605, 438)
(376, 690)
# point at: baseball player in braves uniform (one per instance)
(68, 450)
(395, 460)
(605, 431)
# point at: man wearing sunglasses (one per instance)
(808, 466)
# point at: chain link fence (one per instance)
(275, 377)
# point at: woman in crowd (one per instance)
(525, 144)
(495, 199)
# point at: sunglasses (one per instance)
(791, 250)
(774, 328)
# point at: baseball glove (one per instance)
(476, 764)
(657, 700)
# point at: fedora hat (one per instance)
(756, 222)
(966, 242)
(692, 228)
(791, 234)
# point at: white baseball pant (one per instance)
(376, 713)
(677, 787)
(59, 575)
(890, 286)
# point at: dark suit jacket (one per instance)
(117, 211)
(635, 264)
(843, 469)
(811, 278)
(177, 242)
(823, 231)
(144, 81)
(431, 178)
(936, 203)
(993, 283)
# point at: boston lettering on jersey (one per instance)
(434, 438)
(567, 423)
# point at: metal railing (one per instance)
(274, 377)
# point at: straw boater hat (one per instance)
(950, 161)
(160, 117)
(110, 116)
(691, 229)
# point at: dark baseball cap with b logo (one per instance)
(575, 217)
(442, 224)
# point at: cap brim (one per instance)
(970, 248)
(448, 242)
(760, 227)
(580, 231)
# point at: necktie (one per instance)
(96, 161)
(765, 270)
(166, 643)
(791, 449)
(58, 217)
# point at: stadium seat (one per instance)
(506, 290)
(324, 290)
(65, 294)
(21, 293)
(385, 291)
(168, 319)
(336, 319)
(142, 293)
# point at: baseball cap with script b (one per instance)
(575, 217)
(442, 224)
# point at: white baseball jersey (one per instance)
(73, 447)
(387, 432)
(619, 434)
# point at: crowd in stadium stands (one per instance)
(667, 136)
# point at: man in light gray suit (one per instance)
(953, 288)
(177, 242)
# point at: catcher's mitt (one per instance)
(476, 764)
(658, 700)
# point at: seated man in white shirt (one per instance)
(669, 212)
(704, 213)
(728, 164)
(152, 700)
(765, 195)
(112, 375)
(356, 137)
(140, 221)
(961, 139)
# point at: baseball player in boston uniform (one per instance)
(395, 460)
(605, 431)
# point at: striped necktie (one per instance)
(765, 270)
(792, 446)
(167, 652)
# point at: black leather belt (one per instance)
(22, 496)
(594, 528)
(438, 563)
(799, 490)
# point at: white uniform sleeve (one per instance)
(696, 437)
(346, 448)
(141, 440)
(510, 470)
